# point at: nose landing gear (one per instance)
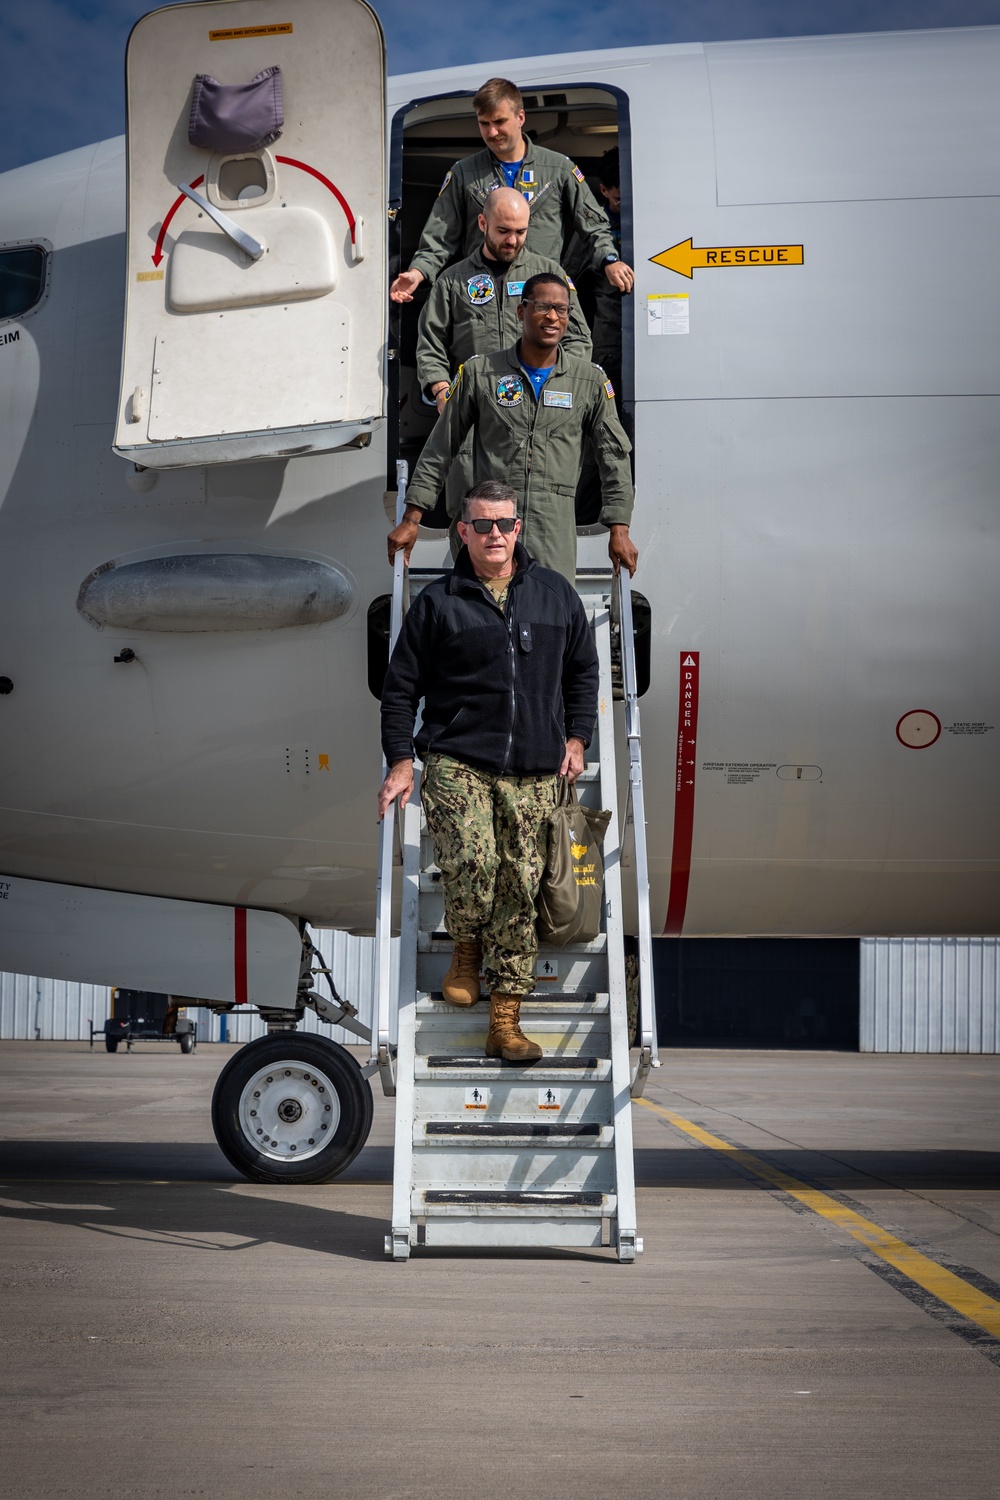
(291, 1108)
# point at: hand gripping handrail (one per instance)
(382, 1054)
(648, 1052)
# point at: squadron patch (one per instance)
(515, 288)
(447, 179)
(510, 390)
(481, 290)
(578, 174)
(557, 398)
(609, 390)
(454, 384)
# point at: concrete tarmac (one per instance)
(171, 1329)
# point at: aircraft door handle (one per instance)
(239, 236)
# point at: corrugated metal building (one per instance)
(916, 995)
(930, 995)
(50, 1010)
(57, 1010)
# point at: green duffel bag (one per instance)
(571, 894)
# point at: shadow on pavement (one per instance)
(150, 1161)
(200, 1216)
(101, 1162)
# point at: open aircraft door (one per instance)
(256, 294)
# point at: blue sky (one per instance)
(63, 58)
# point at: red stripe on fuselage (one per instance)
(240, 955)
(687, 742)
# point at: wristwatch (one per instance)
(608, 259)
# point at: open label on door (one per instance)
(255, 307)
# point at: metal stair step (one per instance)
(476, 1166)
(436, 942)
(514, 1098)
(506, 1200)
(567, 1064)
(558, 1036)
(435, 1003)
(480, 1069)
(510, 1132)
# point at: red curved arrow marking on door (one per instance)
(289, 161)
(158, 252)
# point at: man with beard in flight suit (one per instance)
(472, 309)
(533, 408)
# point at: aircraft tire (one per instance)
(291, 1108)
(187, 1042)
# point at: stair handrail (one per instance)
(382, 1052)
(648, 1049)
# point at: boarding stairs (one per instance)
(490, 1153)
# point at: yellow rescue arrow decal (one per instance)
(683, 258)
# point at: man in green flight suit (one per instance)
(559, 201)
(533, 407)
(472, 309)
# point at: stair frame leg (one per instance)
(402, 1227)
(625, 1225)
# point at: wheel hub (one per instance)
(289, 1112)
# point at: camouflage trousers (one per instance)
(490, 836)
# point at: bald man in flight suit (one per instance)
(472, 309)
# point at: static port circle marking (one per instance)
(918, 729)
(289, 1112)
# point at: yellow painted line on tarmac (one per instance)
(940, 1282)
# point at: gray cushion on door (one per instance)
(231, 117)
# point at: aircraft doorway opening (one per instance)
(583, 122)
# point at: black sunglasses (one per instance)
(482, 525)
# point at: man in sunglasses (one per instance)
(533, 407)
(500, 652)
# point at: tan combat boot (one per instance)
(460, 985)
(505, 1037)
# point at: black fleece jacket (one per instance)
(503, 689)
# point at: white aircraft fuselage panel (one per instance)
(816, 447)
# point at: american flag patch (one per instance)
(609, 390)
(578, 174)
